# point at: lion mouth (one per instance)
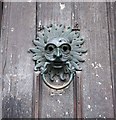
(59, 64)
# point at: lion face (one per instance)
(57, 51)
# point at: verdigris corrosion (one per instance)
(58, 55)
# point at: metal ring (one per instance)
(58, 87)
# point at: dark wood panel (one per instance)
(96, 79)
(18, 30)
(56, 104)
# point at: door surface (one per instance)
(25, 95)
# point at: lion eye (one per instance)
(49, 48)
(66, 48)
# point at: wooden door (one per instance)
(91, 95)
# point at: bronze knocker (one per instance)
(57, 55)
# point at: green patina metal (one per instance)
(58, 54)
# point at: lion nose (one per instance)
(58, 54)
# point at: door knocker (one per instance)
(57, 55)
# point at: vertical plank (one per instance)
(111, 10)
(54, 13)
(77, 98)
(18, 30)
(114, 54)
(56, 104)
(0, 63)
(97, 84)
(0, 14)
(37, 99)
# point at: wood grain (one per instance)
(96, 86)
(96, 80)
(114, 54)
(0, 63)
(56, 104)
(111, 10)
(18, 30)
(0, 14)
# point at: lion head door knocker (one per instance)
(57, 55)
